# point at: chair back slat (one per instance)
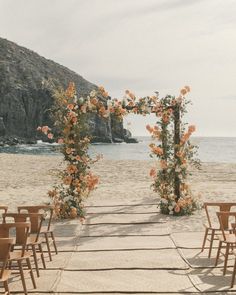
(35, 219)
(225, 221)
(218, 206)
(21, 232)
(5, 246)
(38, 209)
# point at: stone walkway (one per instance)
(128, 249)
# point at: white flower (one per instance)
(93, 93)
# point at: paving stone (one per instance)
(198, 259)
(123, 218)
(212, 280)
(125, 281)
(67, 228)
(67, 243)
(59, 261)
(124, 229)
(45, 283)
(153, 259)
(189, 240)
(123, 209)
(117, 243)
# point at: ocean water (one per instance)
(211, 149)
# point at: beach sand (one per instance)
(124, 244)
(25, 179)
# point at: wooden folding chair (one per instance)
(46, 231)
(227, 239)
(211, 228)
(21, 255)
(33, 240)
(5, 246)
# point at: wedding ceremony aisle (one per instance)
(128, 249)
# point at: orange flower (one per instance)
(74, 120)
(187, 88)
(39, 128)
(91, 181)
(192, 128)
(70, 106)
(71, 169)
(185, 137)
(45, 129)
(177, 208)
(149, 128)
(78, 158)
(152, 172)
(156, 149)
(103, 91)
(183, 91)
(67, 180)
(50, 135)
(60, 141)
(94, 101)
(73, 212)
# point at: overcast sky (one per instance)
(141, 45)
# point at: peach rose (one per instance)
(50, 135)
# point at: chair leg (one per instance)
(54, 242)
(218, 253)
(204, 240)
(211, 242)
(7, 291)
(48, 246)
(35, 260)
(22, 276)
(226, 258)
(234, 274)
(31, 272)
(42, 256)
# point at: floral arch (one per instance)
(173, 149)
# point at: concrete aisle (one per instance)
(128, 249)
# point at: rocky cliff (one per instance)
(24, 104)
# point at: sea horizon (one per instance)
(211, 149)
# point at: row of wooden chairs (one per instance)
(222, 229)
(27, 239)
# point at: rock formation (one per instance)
(24, 104)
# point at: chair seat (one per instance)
(211, 227)
(32, 240)
(229, 238)
(5, 275)
(17, 255)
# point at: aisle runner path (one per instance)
(128, 249)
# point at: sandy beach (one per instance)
(124, 244)
(25, 179)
